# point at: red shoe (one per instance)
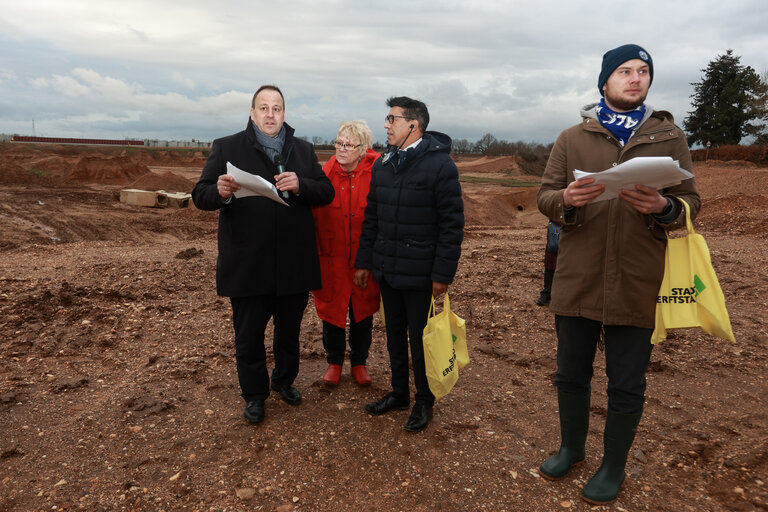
(361, 375)
(332, 375)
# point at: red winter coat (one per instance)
(338, 226)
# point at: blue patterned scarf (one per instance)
(620, 124)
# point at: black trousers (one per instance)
(250, 316)
(627, 354)
(406, 313)
(334, 340)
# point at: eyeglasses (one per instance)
(391, 119)
(346, 147)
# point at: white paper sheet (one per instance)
(652, 171)
(253, 185)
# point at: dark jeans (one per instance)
(406, 314)
(627, 354)
(250, 316)
(334, 340)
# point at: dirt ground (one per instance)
(118, 388)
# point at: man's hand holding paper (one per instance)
(644, 199)
(251, 185)
(582, 192)
(651, 172)
(226, 185)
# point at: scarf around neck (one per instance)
(621, 124)
(273, 146)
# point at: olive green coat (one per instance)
(611, 258)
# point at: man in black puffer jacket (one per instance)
(411, 243)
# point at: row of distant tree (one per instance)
(532, 155)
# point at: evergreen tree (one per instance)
(730, 102)
(762, 136)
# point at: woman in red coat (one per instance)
(338, 228)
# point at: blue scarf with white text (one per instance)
(620, 124)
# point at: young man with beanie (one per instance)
(610, 262)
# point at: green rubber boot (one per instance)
(619, 434)
(574, 425)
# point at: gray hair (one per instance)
(357, 130)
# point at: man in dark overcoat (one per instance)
(267, 261)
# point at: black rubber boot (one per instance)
(619, 434)
(546, 293)
(574, 425)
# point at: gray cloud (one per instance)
(520, 70)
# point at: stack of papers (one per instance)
(652, 171)
(253, 185)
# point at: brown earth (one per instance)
(118, 388)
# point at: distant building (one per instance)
(68, 140)
(153, 143)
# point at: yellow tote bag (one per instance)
(445, 348)
(690, 294)
(381, 311)
(459, 335)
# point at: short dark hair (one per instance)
(412, 109)
(267, 88)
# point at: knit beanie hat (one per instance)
(618, 56)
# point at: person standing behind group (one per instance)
(610, 262)
(550, 263)
(338, 226)
(267, 261)
(410, 244)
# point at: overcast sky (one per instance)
(187, 69)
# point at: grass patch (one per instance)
(503, 182)
(38, 172)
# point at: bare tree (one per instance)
(461, 146)
(485, 142)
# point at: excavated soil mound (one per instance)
(62, 169)
(111, 171)
(486, 206)
(103, 164)
(12, 173)
(493, 164)
(147, 155)
(168, 181)
(150, 156)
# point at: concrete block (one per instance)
(138, 197)
(178, 199)
(154, 198)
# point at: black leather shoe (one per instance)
(289, 394)
(254, 411)
(420, 416)
(386, 404)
